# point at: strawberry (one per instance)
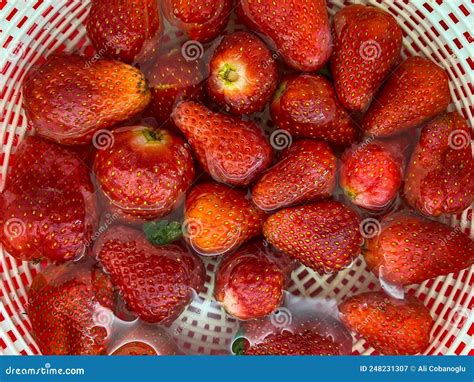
(144, 339)
(371, 173)
(243, 74)
(125, 30)
(48, 208)
(298, 315)
(200, 20)
(145, 172)
(415, 92)
(410, 249)
(135, 348)
(69, 98)
(440, 177)
(391, 326)
(324, 236)
(306, 106)
(299, 29)
(219, 219)
(367, 43)
(172, 79)
(231, 150)
(64, 305)
(157, 283)
(305, 172)
(287, 343)
(249, 284)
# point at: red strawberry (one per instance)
(440, 177)
(243, 74)
(145, 172)
(144, 339)
(306, 171)
(219, 219)
(156, 282)
(125, 30)
(201, 20)
(64, 304)
(299, 29)
(287, 343)
(367, 43)
(249, 284)
(410, 249)
(298, 315)
(324, 236)
(391, 326)
(371, 173)
(231, 150)
(306, 106)
(415, 92)
(69, 98)
(48, 208)
(135, 348)
(172, 79)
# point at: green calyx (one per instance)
(239, 346)
(150, 135)
(154, 137)
(279, 92)
(162, 232)
(350, 194)
(240, 343)
(228, 74)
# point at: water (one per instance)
(204, 327)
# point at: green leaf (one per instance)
(162, 232)
(238, 346)
(239, 343)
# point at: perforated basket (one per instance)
(438, 29)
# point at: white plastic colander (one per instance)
(30, 30)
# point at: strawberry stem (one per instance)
(239, 346)
(229, 74)
(279, 92)
(150, 135)
(162, 232)
(350, 194)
